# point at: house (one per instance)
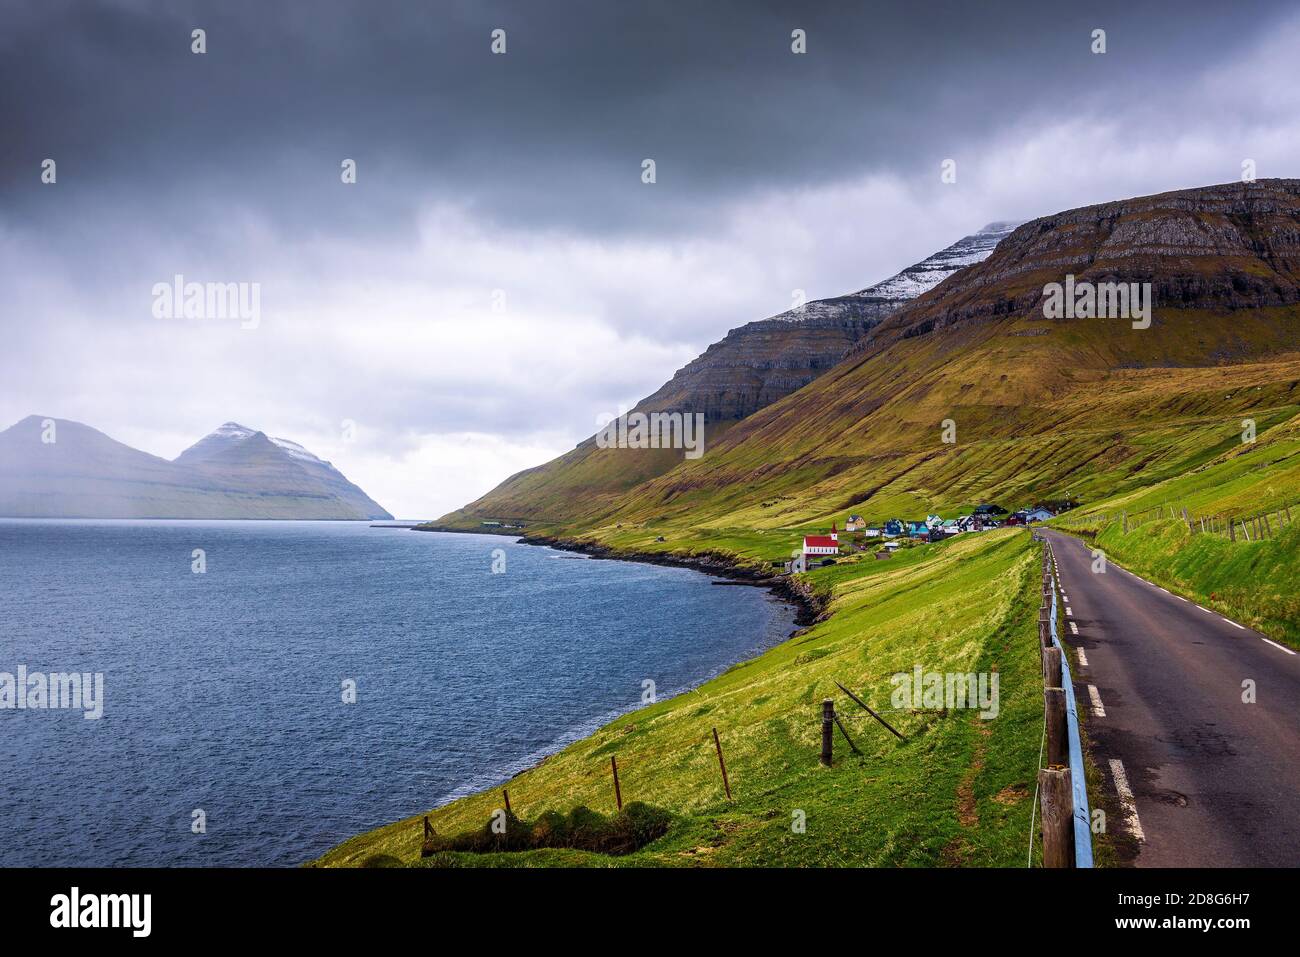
(819, 545)
(894, 528)
(989, 510)
(918, 530)
(873, 532)
(854, 523)
(1038, 514)
(933, 521)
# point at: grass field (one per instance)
(1256, 583)
(957, 792)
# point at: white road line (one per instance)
(1074, 629)
(1204, 609)
(1069, 611)
(1095, 697)
(1233, 623)
(1126, 799)
(1179, 597)
(1083, 658)
(1277, 646)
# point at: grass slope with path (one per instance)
(957, 792)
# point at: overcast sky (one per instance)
(521, 172)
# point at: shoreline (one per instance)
(810, 607)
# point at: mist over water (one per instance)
(222, 690)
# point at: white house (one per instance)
(821, 544)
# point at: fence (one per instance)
(1062, 785)
(1250, 528)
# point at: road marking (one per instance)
(1083, 658)
(1074, 629)
(1126, 799)
(1277, 646)
(1179, 597)
(1069, 611)
(1204, 609)
(1095, 697)
(1233, 623)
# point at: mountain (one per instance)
(1042, 407)
(234, 472)
(751, 367)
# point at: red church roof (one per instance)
(819, 541)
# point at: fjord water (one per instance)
(223, 690)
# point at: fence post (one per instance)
(1052, 667)
(721, 763)
(618, 795)
(1057, 801)
(1058, 745)
(828, 729)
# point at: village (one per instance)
(887, 537)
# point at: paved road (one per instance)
(1215, 782)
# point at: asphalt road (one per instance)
(1214, 781)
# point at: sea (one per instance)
(267, 690)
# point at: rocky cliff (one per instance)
(750, 368)
(1216, 248)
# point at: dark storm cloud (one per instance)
(554, 131)
(777, 173)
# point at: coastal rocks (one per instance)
(810, 606)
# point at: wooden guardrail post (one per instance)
(828, 730)
(1057, 804)
(1044, 628)
(1058, 746)
(1052, 667)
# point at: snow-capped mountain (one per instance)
(232, 433)
(750, 368)
(929, 272)
(234, 472)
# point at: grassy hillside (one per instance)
(956, 792)
(1256, 583)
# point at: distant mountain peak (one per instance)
(233, 472)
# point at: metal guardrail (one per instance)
(1078, 782)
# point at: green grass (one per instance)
(1256, 583)
(957, 792)
(1253, 583)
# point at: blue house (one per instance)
(895, 528)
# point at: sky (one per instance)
(499, 275)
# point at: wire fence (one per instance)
(1250, 528)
